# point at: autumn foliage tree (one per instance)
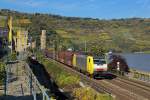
(122, 63)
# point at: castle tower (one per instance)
(43, 39)
(21, 41)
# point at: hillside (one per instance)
(123, 35)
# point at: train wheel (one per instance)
(94, 76)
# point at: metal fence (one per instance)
(34, 85)
(139, 75)
(37, 91)
(134, 74)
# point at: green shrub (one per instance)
(87, 93)
(2, 72)
(12, 56)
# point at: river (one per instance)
(139, 61)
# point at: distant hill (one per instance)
(123, 35)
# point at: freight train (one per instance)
(84, 63)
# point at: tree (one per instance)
(122, 63)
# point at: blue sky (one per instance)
(103, 9)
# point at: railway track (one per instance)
(132, 88)
(120, 93)
(144, 87)
(122, 89)
(136, 82)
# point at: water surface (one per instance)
(139, 61)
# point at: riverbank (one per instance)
(140, 75)
(148, 52)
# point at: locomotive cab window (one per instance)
(96, 61)
(89, 60)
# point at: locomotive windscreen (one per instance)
(99, 61)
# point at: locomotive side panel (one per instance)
(81, 62)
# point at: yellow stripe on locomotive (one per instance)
(90, 65)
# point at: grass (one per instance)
(61, 77)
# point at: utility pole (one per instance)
(54, 50)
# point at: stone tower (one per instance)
(43, 39)
(21, 41)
